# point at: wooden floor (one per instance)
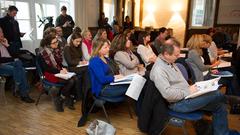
(18, 118)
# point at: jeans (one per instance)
(16, 70)
(213, 102)
(114, 90)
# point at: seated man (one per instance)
(11, 67)
(174, 88)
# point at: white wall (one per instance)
(87, 12)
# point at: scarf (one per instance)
(89, 45)
(52, 57)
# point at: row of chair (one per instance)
(177, 119)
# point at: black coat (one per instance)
(153, 112)
(10, 29)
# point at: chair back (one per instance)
(183, 71)
(193, 78)
(38, 66)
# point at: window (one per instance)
(202, 13)
(31, 11)
(4, 6)
(42, 12)
(108, 8)
(23, 18)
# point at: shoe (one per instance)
(231, 99)
(70, 103)
(58, 102)
(27, 99)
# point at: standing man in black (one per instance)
(11, 31)
(66, 22)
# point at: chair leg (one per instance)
(42, 92)
(184, 130)
(105, 112)
(129, 109)
(166, 125)
(94, 103)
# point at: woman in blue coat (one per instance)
(101, 72)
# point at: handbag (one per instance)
(98, 127)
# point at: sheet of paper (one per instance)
(135, 87)
(204, 87)
(223, 64)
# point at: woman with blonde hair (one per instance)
(101, 73)
(121, 52)
(195, 45)
(86, 44)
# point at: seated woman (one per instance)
(101, 73)
(121, 51)
(102, 33)
(52, 64)
(87, 44)
(11, 67)
(145, 50)
(73, 56)
(195, 45)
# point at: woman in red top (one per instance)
(52, 64)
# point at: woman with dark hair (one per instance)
(160, 39)
(101, 20)
(144, 49)
(127, 24)
(51, 62)
(74, 58)
(101, 34)
(121, 51)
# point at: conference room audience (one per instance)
(160, 39)
(87, 44)
(101, 73)
(74, 58)
(51, 62)
(195, 45)
(65, 21)
(13, 67)
(145, 50)
(122, 54)
(101, 34)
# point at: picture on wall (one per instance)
(228, 12)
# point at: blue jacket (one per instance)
(100, 74)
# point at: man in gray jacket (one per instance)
(174, 88)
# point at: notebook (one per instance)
(65, 76)
(204, 87)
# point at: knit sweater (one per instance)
(169, 81)
(194, 59)
(100, 74)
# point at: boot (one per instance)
(58, 102)
(70, 103)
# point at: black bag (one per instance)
(203, 127)
(27, 58)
